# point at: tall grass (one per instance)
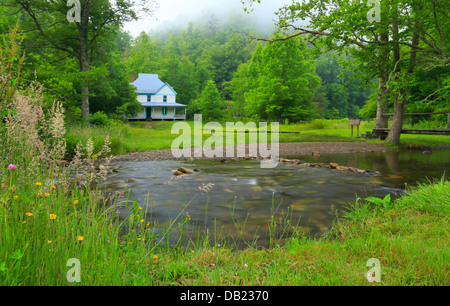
(48, 212)
(116, 133)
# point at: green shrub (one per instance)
(99, 119)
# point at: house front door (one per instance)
(149, 112)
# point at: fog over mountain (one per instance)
(173, 15)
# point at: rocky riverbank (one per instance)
(286, 150)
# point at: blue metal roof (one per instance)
(148, 83)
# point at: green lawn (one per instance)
(145, 136)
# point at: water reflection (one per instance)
(245, 196)
(397, 167)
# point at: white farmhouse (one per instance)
(158, 99)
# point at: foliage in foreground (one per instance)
(43, 227)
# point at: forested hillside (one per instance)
(215, 65)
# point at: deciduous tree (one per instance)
(389, 47)
(77, 39)
(283, 82)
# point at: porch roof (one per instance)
(163, 104)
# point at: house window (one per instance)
(164, 98)
(149, 98)
(164, 111)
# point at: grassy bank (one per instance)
(41, 232)
(409, 238)
(146, 136)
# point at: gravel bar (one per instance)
(285, 150)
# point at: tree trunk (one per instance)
(400, 106)
(383, 95)
(381, 121)
(399, 109)
(399, 114)
(448, 121)
(84, 62)
(84, 68)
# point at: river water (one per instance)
(244, 196)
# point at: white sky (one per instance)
(172, 11)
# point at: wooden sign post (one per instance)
(354, 122)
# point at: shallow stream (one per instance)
(245, 196)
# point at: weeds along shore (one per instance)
(43, 227)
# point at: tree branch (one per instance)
(26, 6)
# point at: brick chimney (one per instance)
(133, 78)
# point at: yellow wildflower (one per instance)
(80, 238)
(142, 221)
(75, 202)
(16, 198)
(38, 184)
(52, 216)
(46, 194)
(140, 208)
(53, 187)
(49, 241)
(155, 257)
(189, 217)
(29, 214)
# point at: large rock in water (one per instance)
(333, 165)
(341, 168)
(185, 170)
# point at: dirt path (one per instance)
(285, 150)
